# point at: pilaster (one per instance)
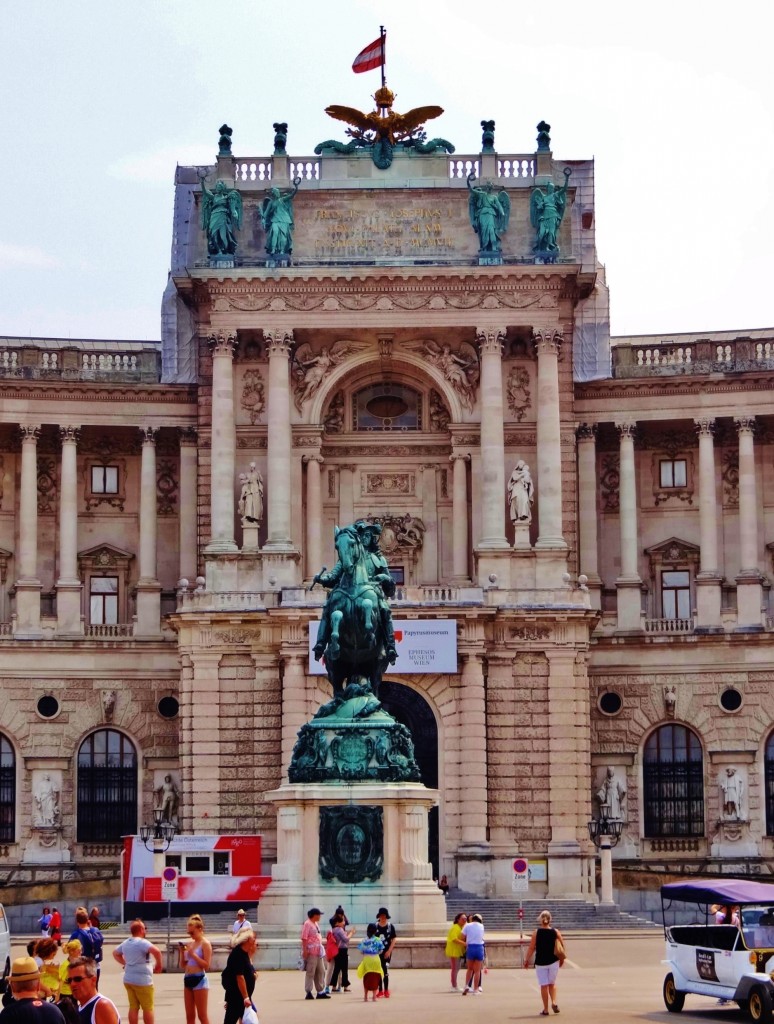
(223, 445)
(460, 529)
(279, 342)
(313, 514)
(68, 586)
(629, 582)
(548, 341)
(709, 579)
(749, 591)
(588, 524)
(187, 518)
(28, 585)
(148, 586)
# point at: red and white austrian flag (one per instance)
(371, 57)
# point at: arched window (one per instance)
(7, 791)
(769, 774)
(673, 783)
(107, 787)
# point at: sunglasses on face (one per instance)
(77, 978)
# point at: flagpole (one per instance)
(382, 35)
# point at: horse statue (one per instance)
(355, 636)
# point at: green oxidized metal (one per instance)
(352, 738)
(351, 844)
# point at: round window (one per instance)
(169, 707)
(731, 699)
(610, 702)
(48, 707)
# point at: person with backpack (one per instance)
(238, 976)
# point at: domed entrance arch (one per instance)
(410, 708)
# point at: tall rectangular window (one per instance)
(676, 595)
(673, 473)
(103, 600)
(104, 479)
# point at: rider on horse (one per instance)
(379, 576)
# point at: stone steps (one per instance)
(569, 915)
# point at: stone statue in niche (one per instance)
(108, 704)
(168, 799)
(461, 370)
(732, 786)
(518, 392)
(47, 812)
(670, 701)
(310, 370)
(521, 493)
(251, 498)
(546, 211)
(612, 795)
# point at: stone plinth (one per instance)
(46, 846)
(403, 882)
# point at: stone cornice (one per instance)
(672, 386)
(85, 391)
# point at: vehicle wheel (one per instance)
(759, 1004)
(673, 1000)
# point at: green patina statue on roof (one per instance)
(546, 213)
(490, 210)
(277, 220)
(221, 216)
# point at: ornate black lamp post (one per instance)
(604, 832)
(160, 832)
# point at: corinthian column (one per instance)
(490, 344)
(549, 451)
(629, 583)
(278, 343)
(148, 587)
(313, 515)
(223, 446)
(708, 580)
(460, 517)
(188, 510)
(27, 583)
(68, 586)
(749, 593)
(587, 510)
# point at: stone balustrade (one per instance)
(69, 361)
(109, 631)
(692, 355)
(669, 626)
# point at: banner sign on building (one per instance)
(423, 645)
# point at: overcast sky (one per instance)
(101, 99)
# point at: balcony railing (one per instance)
(38, 363)
(669, 627)
(652, 357)
(112, 631)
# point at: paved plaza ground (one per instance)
(608, 978)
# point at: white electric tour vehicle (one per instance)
(733, 962)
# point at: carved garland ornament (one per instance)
(362, 302)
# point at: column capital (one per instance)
(350, 468)
(490, 340)
(69, 435)
(278, 341)
(223, 343)
(29, 433)
(455, 456)
(314, 457)
(547, 340)
(188, 436)
(148, 435)
(745, 424)
(627, 430)
(704, 428)
(586, 432)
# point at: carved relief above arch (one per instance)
(364, 367)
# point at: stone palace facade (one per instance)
(614, 627)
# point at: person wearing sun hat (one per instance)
(241, 922)
(28, 1006)
(386, 932)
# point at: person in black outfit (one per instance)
(27, 1005)
(547, 963)
(386, 932)
(238, 976)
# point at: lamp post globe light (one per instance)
(160, 832)
(604, 832)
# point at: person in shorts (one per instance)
(134, 954)
(542, 945)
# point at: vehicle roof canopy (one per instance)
(719, 890)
